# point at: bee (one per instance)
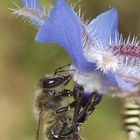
(51, 96)
(131, 111)
(132, 116)
(58, 119)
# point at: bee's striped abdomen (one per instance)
(132, 117)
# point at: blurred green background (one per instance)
(23, 62)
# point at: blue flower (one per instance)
(65, 28)
(33, 4)
(90, 46)
(105, 27)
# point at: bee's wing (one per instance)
(39, 131)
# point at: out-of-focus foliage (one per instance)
(23, 62)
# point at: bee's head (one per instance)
(54, 82)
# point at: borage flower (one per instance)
(74, 37)
(93, 47)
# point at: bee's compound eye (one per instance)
(51, 82)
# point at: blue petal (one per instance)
(63, 27)
(32, 4)
(125, 86)
(36, 9)
(115, 80)
(105, 26)
(110, 78)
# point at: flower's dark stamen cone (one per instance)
(53, 118)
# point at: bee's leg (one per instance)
(55, 131)
(67, 108)
(78, 118)
(66, 93)
(73, 129)
(75, 126)
(95, 100)
(64, 123)
(71, 135)
(76, 136)
(76, 95)
(81, 116)
(79, 93)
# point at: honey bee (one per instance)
(57, 118)
(131, 114)
(51, 96)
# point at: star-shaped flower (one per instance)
(100, 57)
